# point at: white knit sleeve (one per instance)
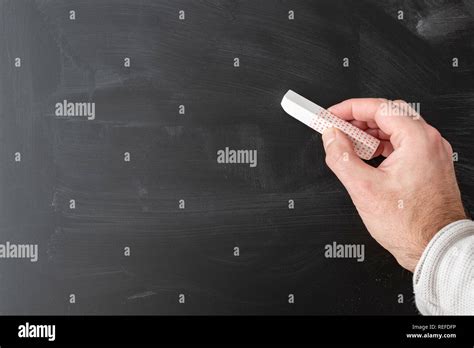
(443, 280)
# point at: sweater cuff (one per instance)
(428, 275)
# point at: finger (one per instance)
(385, 149)
(361, 109)
(379, 134)
(372, 124)
(344, 162)
(359, 124)
(385, 114)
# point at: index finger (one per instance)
(383, 113)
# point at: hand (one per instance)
(413, 193)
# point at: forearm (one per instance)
(444, 277)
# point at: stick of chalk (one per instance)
(320, 119)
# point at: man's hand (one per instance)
(413, 193)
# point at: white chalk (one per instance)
(320, 119)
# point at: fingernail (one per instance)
(329, 136)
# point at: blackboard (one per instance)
(130, 209)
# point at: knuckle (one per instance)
(434, 136)
(399, 101)
(364, 188)
(382, 101)
(448, 147)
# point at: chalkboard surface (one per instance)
(117, 124)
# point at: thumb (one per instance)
(344, 162)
